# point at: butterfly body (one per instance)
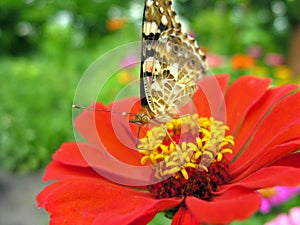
(171, 64)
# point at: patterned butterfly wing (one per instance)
(171, 63)
(178, 65)
(159, 16)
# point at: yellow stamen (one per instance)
(173, 170)
(190, 165)
(219, 157)
(199, 142)
(145, 159)
(204, 168)
(226, 150)
(159, 156)
(210, 145)
(184, 173)
(198, 154)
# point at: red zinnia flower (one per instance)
(264, 123)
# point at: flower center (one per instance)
(187, 154)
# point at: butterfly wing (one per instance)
(178, 65)
(158, 17)
(172, 62)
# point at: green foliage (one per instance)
(35, 118)
(37, 93)
(230, 28)
(24, 24)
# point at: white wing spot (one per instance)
(161, 9)
(164, 20)
(174, 70)
(149, 27)
(149, 3)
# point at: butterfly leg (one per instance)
(175, 144)
(169, 136)
(193, 127)
(193, 121)
(137, 138)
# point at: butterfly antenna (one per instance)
(101, 110)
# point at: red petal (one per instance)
(241, 97)
(69, 154)
(57, 171)
(237, 203)
(91, 201)
(68, 162)
(136, 218)
(209, 99)
(110, 131)
(272, 176)
(269, 156)
(257, 113)
(132, 105)
(101, 162)
(280, 126)
(184, 217)
(140, 212)
(290, 160)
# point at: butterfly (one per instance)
(171, 64)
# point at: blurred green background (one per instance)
(46, 46)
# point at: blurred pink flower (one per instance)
(254, 51)
(292, 218)
(276, 196)
(274, 59)
(214, 60)
(129, 61)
